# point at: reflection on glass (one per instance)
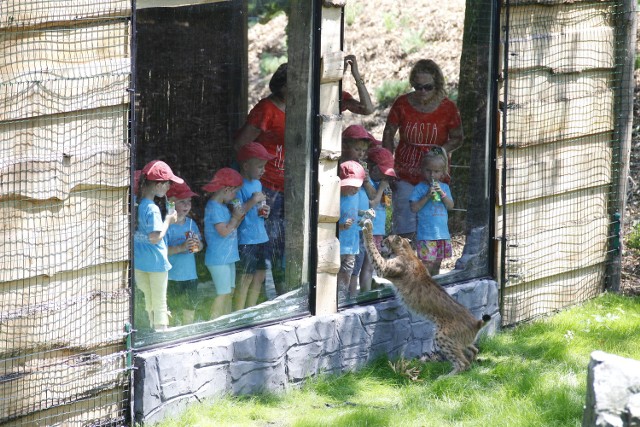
(211, 99)
(430, 108)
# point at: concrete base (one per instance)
(276, 357)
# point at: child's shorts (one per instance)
(253, 257)
(224, 277)
(347, 262)
(434, 250)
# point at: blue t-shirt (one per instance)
(363, 201)
(380, 221)
(433, 217)
(183, 264)
(147, 256)
(251, 230)
(220, 250)
(349, 238)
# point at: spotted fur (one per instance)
(456, 328)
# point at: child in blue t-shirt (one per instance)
(150, 255)
(221, 235)
(432, 200)
(184, 240)
(381, 173)
(352, 175)
(252, 234)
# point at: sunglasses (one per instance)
(428, 87)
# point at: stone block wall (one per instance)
(276, 357)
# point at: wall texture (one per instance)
(277, 357)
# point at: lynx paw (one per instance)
(367, 225)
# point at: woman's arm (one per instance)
(247, 134)
(456, 138)
(388, 135)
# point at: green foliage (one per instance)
(351, 11)
(389, 22)
(412, 41)
(269, 63)
(389, 91)
(633, 238)
(637, 64)
(264, 10)
(530, 375)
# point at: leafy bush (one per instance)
(633, 238)
(269, 63)
(390, 90)
(412, 41)
(389, 22)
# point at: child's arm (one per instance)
(256, 198)
(224, 229)
(373, 203)
(369, 189)
(444, 197)
(156, 236)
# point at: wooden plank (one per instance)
(329, 193)
(556, 251)
(53, 137)
(329, 256)
(105, 408)
(530, 217)
(84, 323)
(331, 26)
(531, 121)
(57, 178)
(45, 238)
(329, 99)
(79, 52)
(535, 20)
(330, 137)
(145, 4)
(19, 298)
(568, 51)
(533, 299)
(29, 13)
(30, 99)
(549, 169)
(45, 380)
(326, 293)
(331, 67)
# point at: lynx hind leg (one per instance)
(453, 352)
(471, 352)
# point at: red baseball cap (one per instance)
(359, 132)
(157, 170)
(225, 177)
(180, 191)
(383, 159)
(351, 174)
(254, 150)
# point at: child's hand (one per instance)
(348, 223)
(171, 217)
(238, 212)
(258, 197)
(192, 244)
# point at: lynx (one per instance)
(456, 328)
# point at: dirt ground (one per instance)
(383, 40)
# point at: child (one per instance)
(380, 163)
(352, 175)
(222, 237)
(183, 239)
(252, 234)
(432, 200)
(150, 254)
(355, 143)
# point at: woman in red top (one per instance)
(425, 118)
(265, 124)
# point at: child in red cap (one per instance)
(184, 240)
(352, 175)
(220, 232)
(252, 234)
(381, 173)
(150, 255)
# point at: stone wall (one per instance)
(613, 392)
(276, 357)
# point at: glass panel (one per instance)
(210, 80)
(420, 104)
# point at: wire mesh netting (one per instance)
(564, 96)
(64, 237)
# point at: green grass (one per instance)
(389, 91)
(633, 238)
(531, 375)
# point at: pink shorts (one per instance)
(434, 250)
